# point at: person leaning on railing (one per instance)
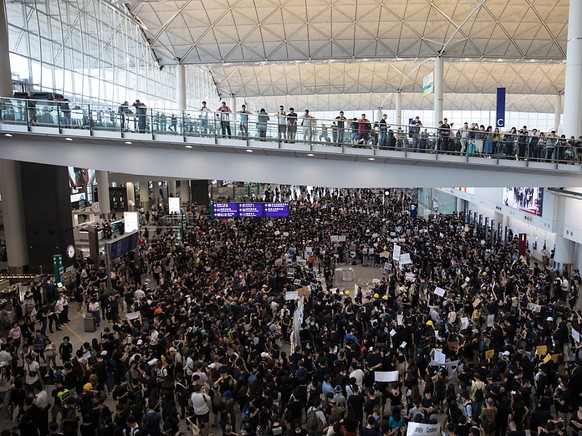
(551, 142)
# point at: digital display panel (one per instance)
(123, 245)
(226, 210)
(252, 210)
(276, 209)
(530, 200)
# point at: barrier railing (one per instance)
(273, 128)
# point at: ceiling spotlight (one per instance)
(371, 158)
(68, 139)
(310, 154)
(8, 134)
(128, 142)
(248, 150)
(188, 146)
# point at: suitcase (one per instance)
(90, 323)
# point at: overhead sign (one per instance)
(427, 84)
(500, 112)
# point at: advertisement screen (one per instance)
(80, 178)
(528, 200)
(130, 220)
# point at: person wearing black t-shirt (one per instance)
(66, 350)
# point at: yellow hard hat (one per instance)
(384, 297)
(347, 293)
(376, 296)
(429, 322)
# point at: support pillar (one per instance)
(379, 114)
(398, 113)
(5, 71)
(181, 87)
(564, 254)
(185, 191)
(557, 111)
(144, 195)
(13, 215)
(130, 187)
(171, 188)
(438, 90)
(156, 194)
(573, 88)
(103, 191)
(460, 205)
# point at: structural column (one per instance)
(171, 188)
(564, 247)
(103, 191)
(438, 89)
(557, 111)
(10, 187)
(398, 112)
(185, 190)
(13, 215)
(573, 88)
(130, 187)
(144, 195)
(181, 87)
(156, 194)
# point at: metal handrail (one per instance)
(67, 116)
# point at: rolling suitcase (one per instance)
(90, 323)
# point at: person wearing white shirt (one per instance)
(358, 374)
(201, 406)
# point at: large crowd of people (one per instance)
(207, 332)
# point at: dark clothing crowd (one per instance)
(238, 326)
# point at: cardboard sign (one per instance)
(405, 259)
(489, 354)
(541, 349)
(490, 320)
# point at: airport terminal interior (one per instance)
(265, 217)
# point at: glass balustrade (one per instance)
(544, 147)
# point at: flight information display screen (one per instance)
(250, 210)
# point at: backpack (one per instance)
(479, 395)
(313, 424)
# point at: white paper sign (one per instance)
(403, 344)
(153, 362)
(392, 332)
(386, 376)
(440, 292)
(174, 205)
(464, 323)
(490, 320)
(291, 295)
(396, 252)
(405, 259)
(417, 429)
(575, 335)
(133, 315)
(400, 319)
(438, 358)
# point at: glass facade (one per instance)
(93, 52)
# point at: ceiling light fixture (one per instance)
(188, 146)
(310, 154)
(68, 139)
(8, 134)
(248, 150)
(371, 158)
(128, 142)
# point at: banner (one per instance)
(415, 428)
(500, 117)
(427, 84)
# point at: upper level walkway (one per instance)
(175, 145)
